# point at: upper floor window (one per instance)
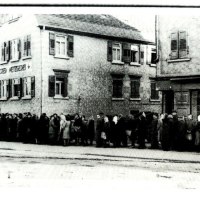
(116, 52)
(27, 46)
(134, 54)
(61, 45)
(153, 56)
(125, 53)
(15, 49)
(179, 45)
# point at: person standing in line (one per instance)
(84, 138)
(189, 137)
(142, 129)
(65, 129)
(115, 134)
(90, 129)
(99, 129)
(105, 134)
(154, 132)
(77, 128)
(160, 128)
(197, 135)
(52, 131)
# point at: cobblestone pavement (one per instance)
(29, 165)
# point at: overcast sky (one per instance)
(145, 24)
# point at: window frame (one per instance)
(13, 88)
(61, 84)
(28, 83)
(156, 92)
(135, 49)
(65, 46)
(132, 96)
(4, 92)
(117, 79)
(116, 55)
(14, 48)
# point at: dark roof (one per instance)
(104, 25)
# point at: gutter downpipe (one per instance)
(41, 69)
(157, 43)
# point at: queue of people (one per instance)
(165, 131)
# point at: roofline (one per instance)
(54, 28)
(178, 77)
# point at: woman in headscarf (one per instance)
(65, 129)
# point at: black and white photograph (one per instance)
(105, 97)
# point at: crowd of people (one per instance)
(142, 130)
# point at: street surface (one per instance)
(28, 165)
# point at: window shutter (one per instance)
(141, 55)
(22, 87)
(148, 55)
(174, 45)
(52, 86)
(153, 89)
(11, 44)
(65, 94)
(51, 43)
(19, 48)
(33, 86)
(28, 45)
(70, 46)
(25, 47)
(0, 88)
(182, 44)
(137, 88)
(9, 87)
(126, 52)
(2, 52)
(6, 51)
(109, 51)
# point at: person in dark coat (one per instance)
(175, 132)
(35, 128)
(122, 130)
(190, 133)
(154, 132)
(77, 128)
(142, 130)
(84, 137)
(44, 128)
(90, 129)
(99, 129)
(166, 132)
(105, 134)
(115, 134)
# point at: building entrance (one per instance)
(168, 101)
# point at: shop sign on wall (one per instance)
(3, 71)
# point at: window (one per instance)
(154, 91)
(116, 52)
(134, 54)
(27, 46)
(15, 88)
(153, 56)
(135, 88)
(58, 84)
(4, 85)
(61, 46)
(15, 49)
(117, 88)
(27, 86)
(179, 47)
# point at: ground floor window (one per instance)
(58, 84)
(135, 88)
(4, 90)
(154, 91)
(15, 87)
(117, 87)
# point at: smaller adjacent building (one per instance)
(179, 64)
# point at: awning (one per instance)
(164, 85)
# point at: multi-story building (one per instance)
(178, 66)
(75, 63)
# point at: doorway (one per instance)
(168, 103)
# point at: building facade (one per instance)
(75, 63)
(178, 67)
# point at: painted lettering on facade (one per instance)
(18, 68)
(3, 71)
